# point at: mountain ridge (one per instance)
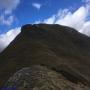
(48, 45)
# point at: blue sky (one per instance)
(15, 13)
(26, 12)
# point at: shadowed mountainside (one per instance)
(60, 48)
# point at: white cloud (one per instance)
(50, 20)
(6, 38)
(9, 5)
(36, 5)
(6, 21)
(6, 11)
(77, 19)
(85, 1)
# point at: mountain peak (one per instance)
(51, 45)
(26, 28)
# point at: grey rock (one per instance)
(41, 78)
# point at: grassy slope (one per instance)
(49, 45)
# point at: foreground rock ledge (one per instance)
(41, 78)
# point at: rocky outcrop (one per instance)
(41, 78)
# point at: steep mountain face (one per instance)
(59, 48)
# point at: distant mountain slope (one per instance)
(53, 46)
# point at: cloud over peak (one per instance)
(77, 19)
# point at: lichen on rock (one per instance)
(41, 78)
